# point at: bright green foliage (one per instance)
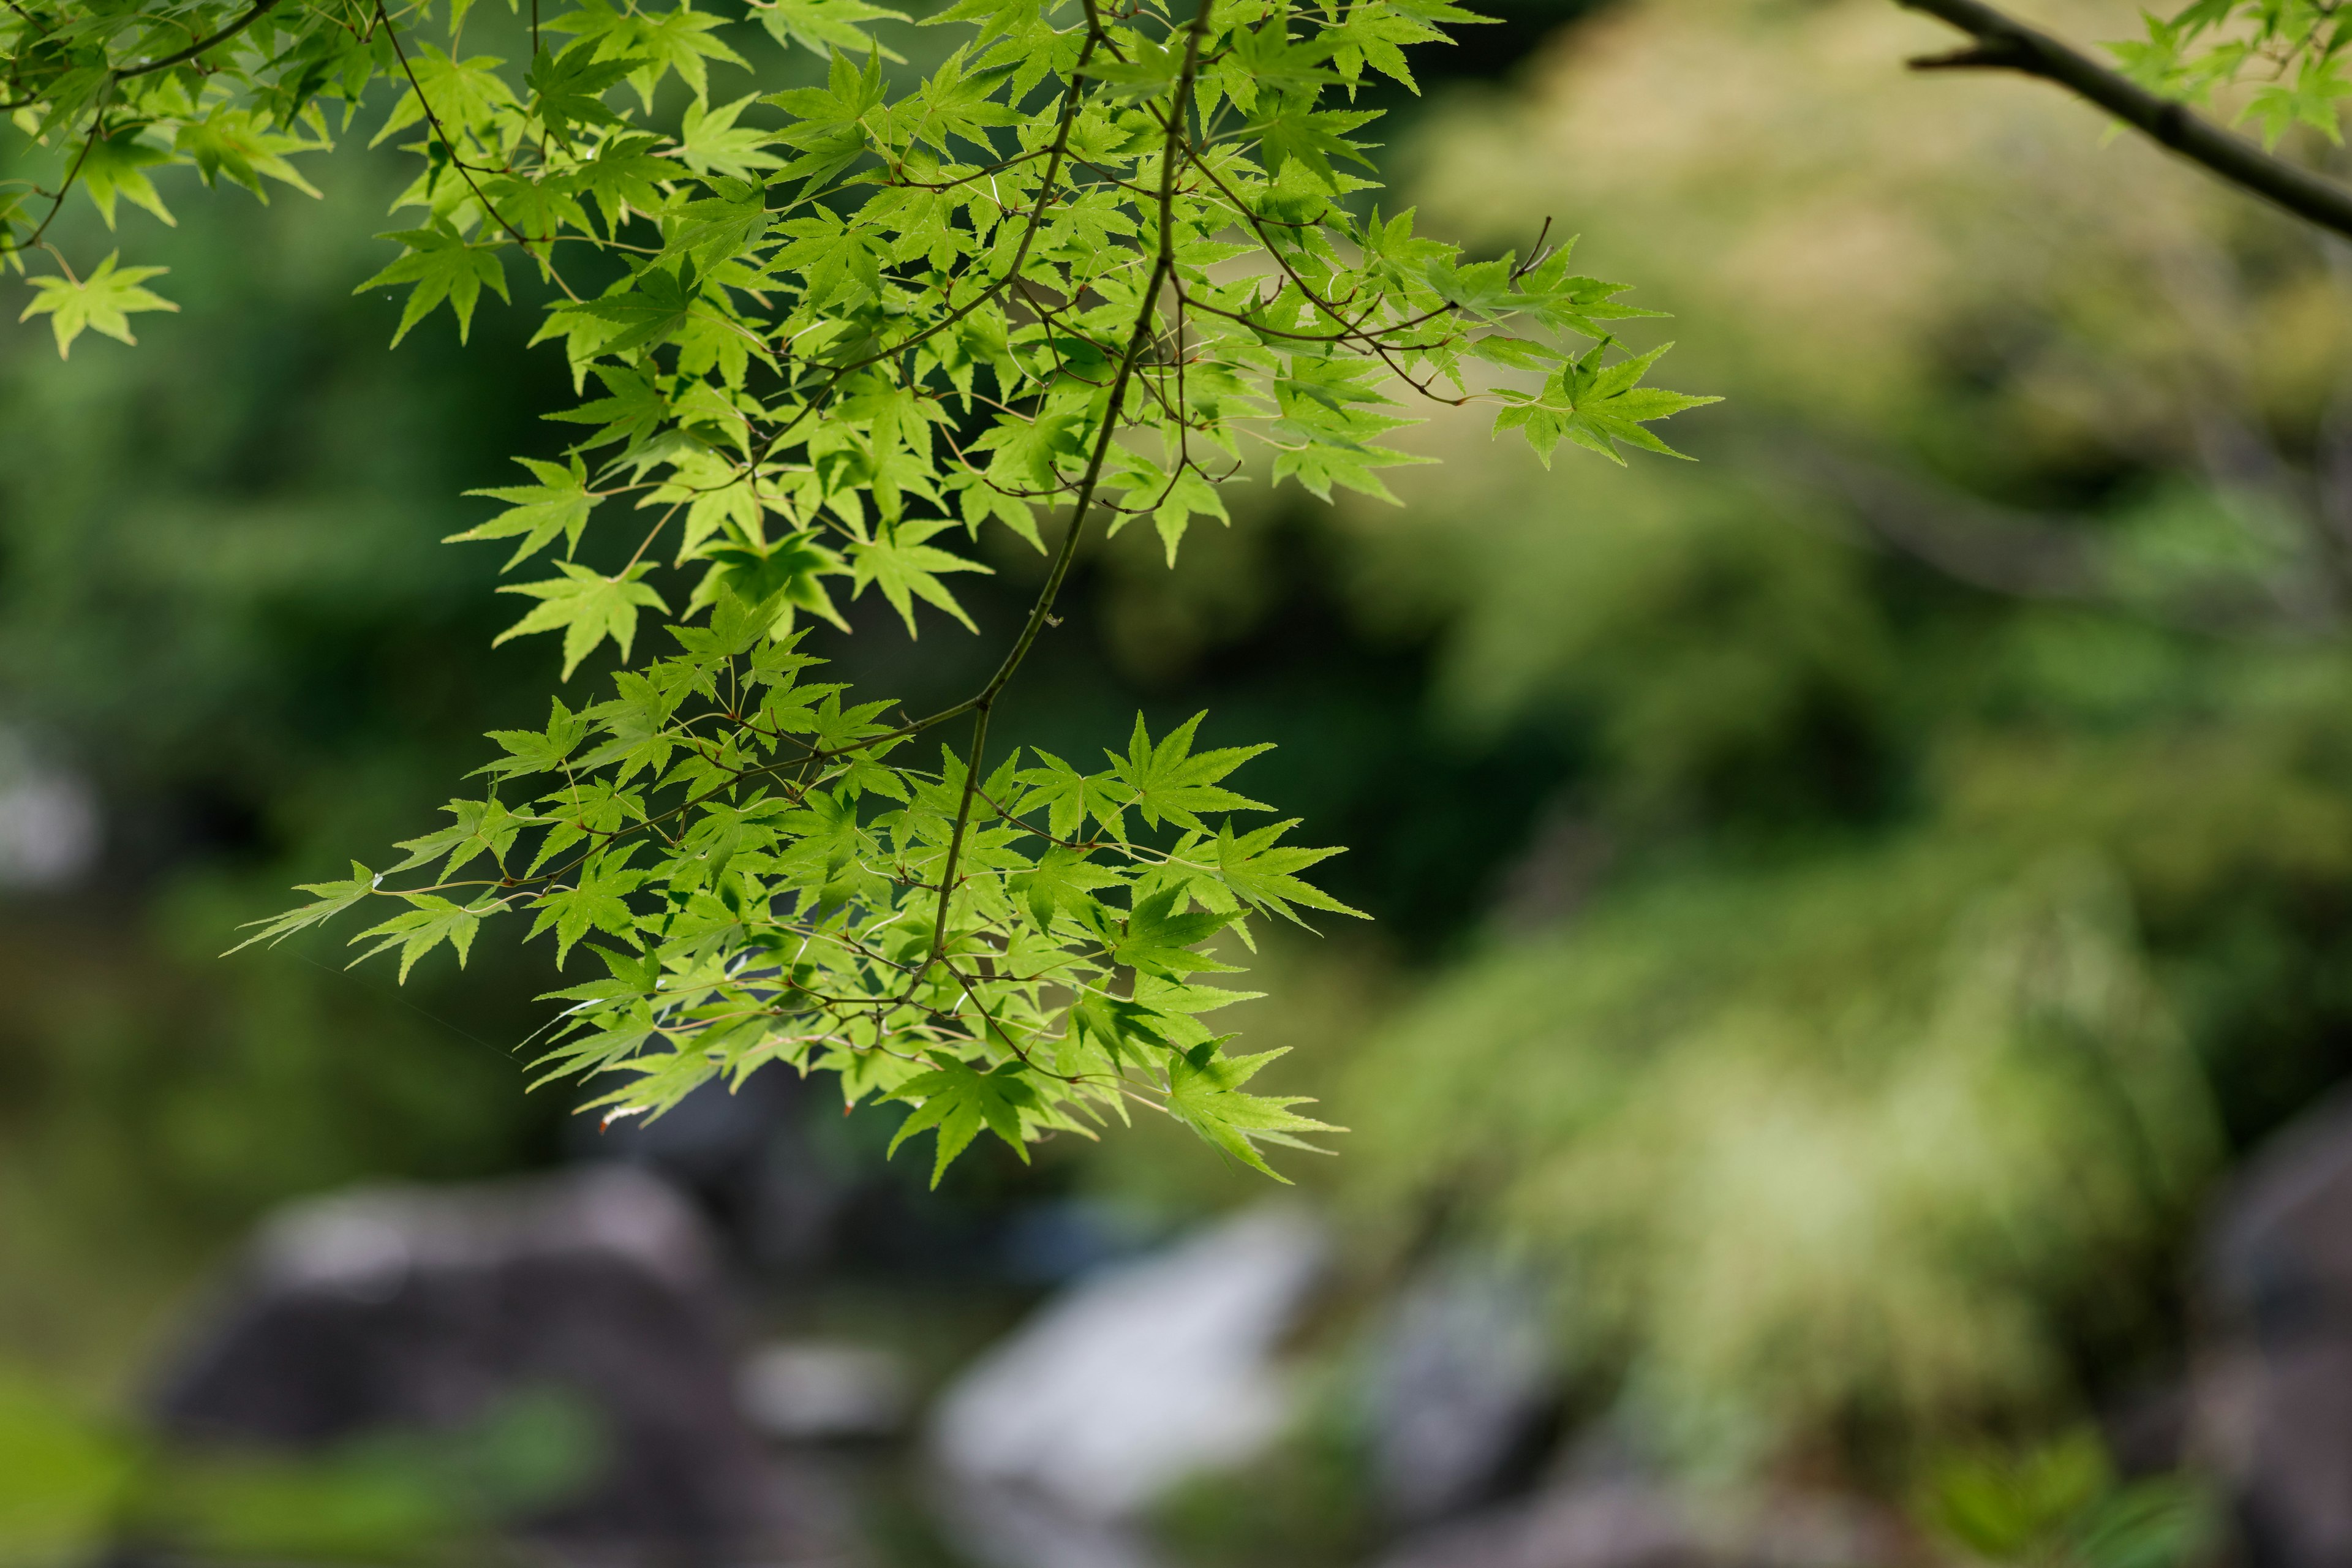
(1101, 260)
(2291, 53)
(757, 872)
(104, 299)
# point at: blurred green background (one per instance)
(1846, 900)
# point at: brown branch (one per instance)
(2003, 43)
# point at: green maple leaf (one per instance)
(1156, 940)
(116, 166)
(708, 140)
(785, 578)
(1069, 795)
(333, 899)
(727, 224)
(1028, 451)
(825, 26)
(1017, 18)
(1204, 1093)
(956, 100)
(837, 264)
(239, 145)
(1377, 35)
(443, 265)
(598, 901)
(1325, 460)
(2313, 98)
(1274, 62)
(1150, 67)
(586, 607)
(431, 920)
(905, 568)
(960, 1101)
(636, 723)
(1189, 495)
(482, 827)
(1115, 1024)
(602, 1042)
(1294, 131)
(1597, 408)
(650, 305)
(1167, 780)
(103, 301)
(635, 411)
(1263, 874)
(559, 504)
(623, 177)
(538, 751)
(677, 40)
(1062, 879)
(568, 88)
(464, 94)
(841, 103)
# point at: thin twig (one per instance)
(260, 10)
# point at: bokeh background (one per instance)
(1854, 916)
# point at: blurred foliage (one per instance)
(1954, 867)
(2061, 1505)
(1309, 1503)
(218, 600)
(70, 1487)
(1912, 844)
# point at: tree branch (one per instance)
(260, 10)
(2003, 43)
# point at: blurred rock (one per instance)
(2274, 1383)
(817, 1391)
(1060, 1239)
(1618, 1523)
(1139, 1374)
(1009, 1528)
(1463, 1389)
(421, 1310)
(49, 824)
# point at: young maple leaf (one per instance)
(1156, 939)
(443, 265)
(559, 503)
(568, 90)
(1062, 879)
(116, 166)
(1598, 406)
(1204, 1093)
(825, 26)
(1262, 873)
(432, 920)
(103, 301)
(587, 607)
(710, 140)
(959, 1099)
(333, 899)
(905, 568)
(1169, 781)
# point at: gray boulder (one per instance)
(1626, 1523)
(1138, 1375)
(424, 1310)
(1127, 1382)
(2274, 1376)
(1463, 1391)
